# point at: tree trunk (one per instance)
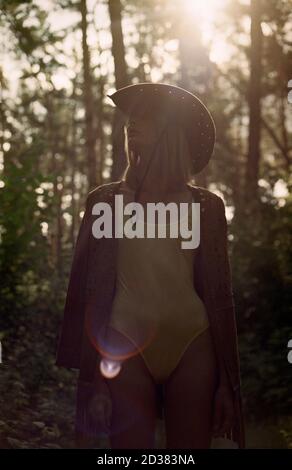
(254, 99)
(73, 161)
(90, 136)
(121, 80)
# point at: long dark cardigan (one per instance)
(91, 291)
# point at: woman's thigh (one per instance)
(189, 396)
(134, 406)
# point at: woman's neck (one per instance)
(152, 185)
(181, 194)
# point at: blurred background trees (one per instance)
(60, 137)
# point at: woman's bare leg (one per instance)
(189, 396)
(134, 401)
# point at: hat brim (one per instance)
(174, 103)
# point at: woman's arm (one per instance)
(69, 345)
(228, 358)
(224, 298)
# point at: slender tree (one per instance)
(254, 100)
(121, 79)
(88, 101)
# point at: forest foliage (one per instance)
(59, 61)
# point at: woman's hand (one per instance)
(95, 412)
(100, 406)
(224, 409)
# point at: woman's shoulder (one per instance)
(207, 195)
(103, 190)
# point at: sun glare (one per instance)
(205, 13)
(205, 10)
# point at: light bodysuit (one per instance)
(155, 305)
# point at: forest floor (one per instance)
(48, 422)
(37, 399)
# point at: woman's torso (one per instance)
(155, 302)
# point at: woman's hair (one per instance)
(170, 167)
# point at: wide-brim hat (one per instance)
(177, 104)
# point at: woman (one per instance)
(171, 311)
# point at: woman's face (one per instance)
(169, 168)
(142, 132)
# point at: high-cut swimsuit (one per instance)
(155, 303)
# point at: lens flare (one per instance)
(114, 345)
(110, 368)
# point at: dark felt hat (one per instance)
(173, 103)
